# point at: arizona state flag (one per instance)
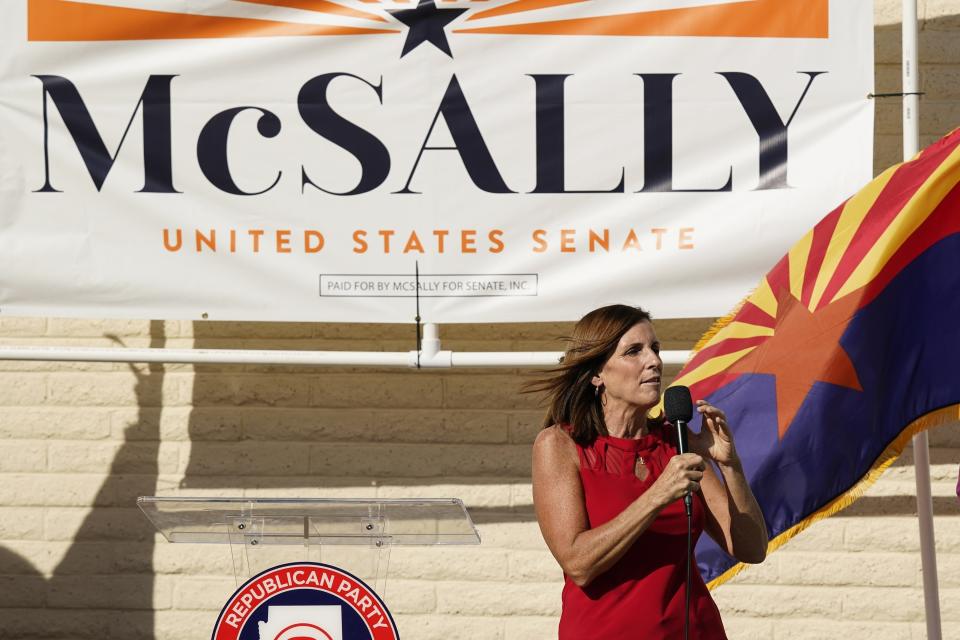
(846, 349)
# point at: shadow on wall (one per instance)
(104, 585)
(306, 429)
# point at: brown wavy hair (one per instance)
(570, 396)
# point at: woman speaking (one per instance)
(608, 487)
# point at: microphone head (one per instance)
(677, 404)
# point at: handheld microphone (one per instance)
(678, 406)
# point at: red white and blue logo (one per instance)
(305, 601)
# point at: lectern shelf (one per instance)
(265, 532)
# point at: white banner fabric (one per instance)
(530, 159)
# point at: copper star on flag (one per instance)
(804, 349)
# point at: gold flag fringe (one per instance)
(851, 495)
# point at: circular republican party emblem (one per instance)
(305, 601)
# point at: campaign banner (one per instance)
(481, 160)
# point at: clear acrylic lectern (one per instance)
(354, 535)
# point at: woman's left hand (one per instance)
(714, 440)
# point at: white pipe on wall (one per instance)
(428, 360)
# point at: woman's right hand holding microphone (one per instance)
(682, 475)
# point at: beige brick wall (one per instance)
(81, 441)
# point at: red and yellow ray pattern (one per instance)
(794, 319)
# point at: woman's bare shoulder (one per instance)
(555, 443)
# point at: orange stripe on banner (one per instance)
(753, 19)
(519, 6)
(62, 20)
(320, 6)
(904, 183)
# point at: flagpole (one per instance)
(921, 446)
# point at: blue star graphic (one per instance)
(426, 24)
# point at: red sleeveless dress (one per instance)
(642, 596)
